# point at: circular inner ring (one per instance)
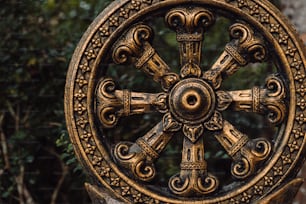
(192, 101)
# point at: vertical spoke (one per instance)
(190, 25)
(193, 178)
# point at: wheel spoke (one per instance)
(139, 157)
(190, 25)
(112, 104)
(246, 153)
(245, 47)
(269, 101)
(136, 47)
(193, 178)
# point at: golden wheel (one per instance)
(193, 103)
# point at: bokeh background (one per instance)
(37, 39)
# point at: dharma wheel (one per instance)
(158, 113)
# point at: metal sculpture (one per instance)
(192, 102)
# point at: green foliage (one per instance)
(37, 41)
(67, 156)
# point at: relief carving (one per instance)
(191, 102)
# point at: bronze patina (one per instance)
(192, 102)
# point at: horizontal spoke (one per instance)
(245, 47)
(136, 47)
(193, 178)
(269, 101)
(139, 157)
(112, 104)
(246, 153)
(190, 25)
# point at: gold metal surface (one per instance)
(193, 102)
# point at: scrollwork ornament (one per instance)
(245, 47)
(275, 99)
(269, 101)
(248, 43)
(241, 168)
(245, 162)
(107, 114)
(189, 20)
(136, 47)
(193, 178)
(193, 184)
(135, 161)
(133, 44)
(112, 103)
(190, 25)
(246, 153)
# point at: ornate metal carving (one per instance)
(269, 101)
(193, 178)
(139, 157)
(190, 24)
(246, 153)
(192, 102)
(112, 103)
(245, 47)
(135, 46)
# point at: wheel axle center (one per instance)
(192, 101)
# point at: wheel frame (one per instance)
(81, 83)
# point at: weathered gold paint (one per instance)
(192, 102)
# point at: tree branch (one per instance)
(4, 147)
(61, 179)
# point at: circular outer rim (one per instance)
(93, 154)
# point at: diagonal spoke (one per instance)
(136, 47)
(139, 157)
(190, 25)
(244, 48)
(112, 104)
(193, 178)
(246, 153)
(269, 101)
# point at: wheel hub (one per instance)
(192, 101)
